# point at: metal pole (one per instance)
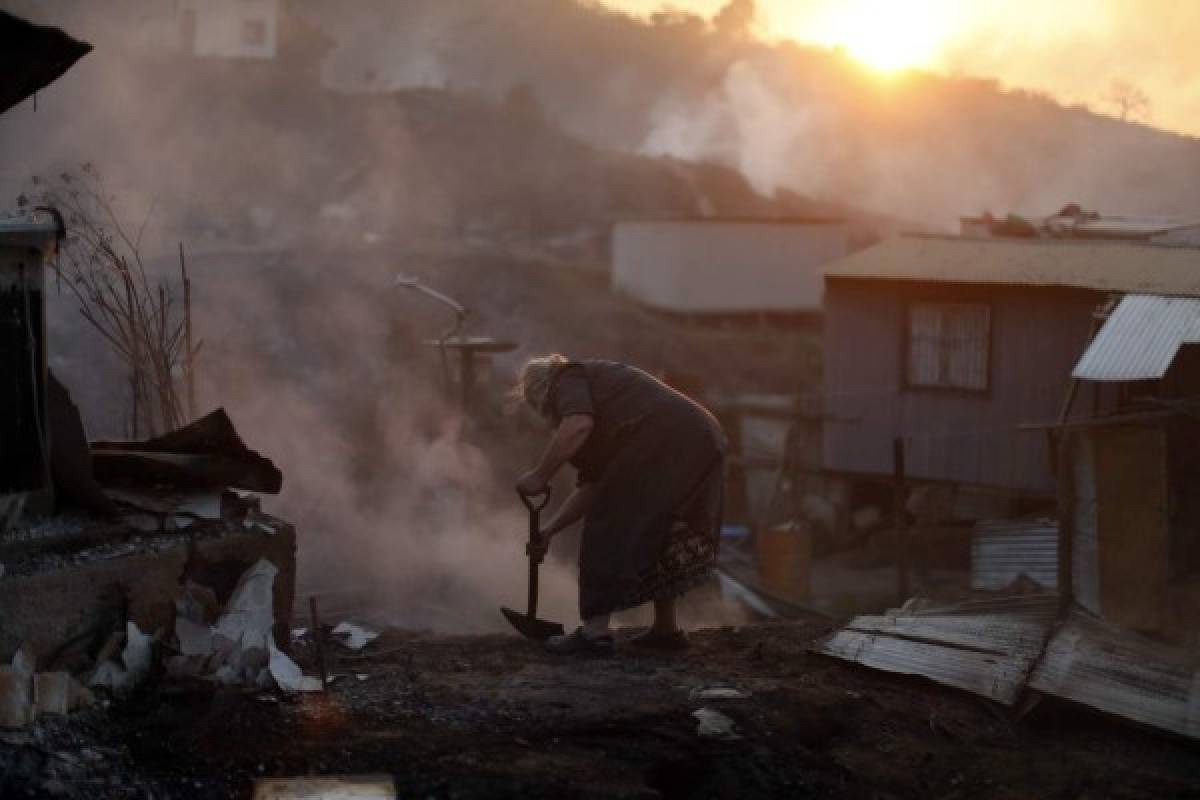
(1068, 451)
(315, 621)
(900, 520)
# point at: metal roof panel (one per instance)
(1086, 264)
(1099, 665)
(1140, 339)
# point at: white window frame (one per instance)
(947, 345)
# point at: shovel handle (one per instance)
(535, 507)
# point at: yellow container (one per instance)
(785, 562)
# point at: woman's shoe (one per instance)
(673, 642)
(579, 642)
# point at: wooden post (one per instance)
(188, 364)
(1067, 451)
(900, 520)
(315, 621)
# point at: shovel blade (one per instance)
(531, 627)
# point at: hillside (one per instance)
(786, 116)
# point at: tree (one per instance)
(737, 18)
(138, 314)
(1129, 101)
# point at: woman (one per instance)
(651, 467)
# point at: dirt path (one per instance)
(494, 717)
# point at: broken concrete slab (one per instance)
(85, 602)
(16, 697)
(239, 649)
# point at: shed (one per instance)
(1130, 498)
(954, 345)
(726, 266)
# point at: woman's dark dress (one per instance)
(658, 460)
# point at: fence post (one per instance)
(900, 520)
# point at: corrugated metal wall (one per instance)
(1037, 336)
(1001, 552)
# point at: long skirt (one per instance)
(655, 527)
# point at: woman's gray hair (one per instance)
(537, 375)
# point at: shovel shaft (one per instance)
(533, 588)
(535, 513)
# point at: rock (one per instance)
(714, 724)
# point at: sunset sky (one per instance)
(1073, 49)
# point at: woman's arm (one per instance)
(570, 436)
(570, 512)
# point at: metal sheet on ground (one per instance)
(986, 648)
(360, 787)
(1102, 666)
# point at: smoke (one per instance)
(924, 148)
(298, 205)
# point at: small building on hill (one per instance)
(726, 266)
(961, 348)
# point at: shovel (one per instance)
(528, 625)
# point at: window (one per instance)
(948, 345)
(254, 31)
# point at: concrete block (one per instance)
(16, 697)
(51, 609)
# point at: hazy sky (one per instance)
(1073, 49)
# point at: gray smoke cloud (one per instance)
(924, 148)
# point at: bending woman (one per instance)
(651, 474)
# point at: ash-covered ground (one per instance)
(493, 716)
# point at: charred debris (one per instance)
(922, 497)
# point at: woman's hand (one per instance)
(537, 550)
(532, 484)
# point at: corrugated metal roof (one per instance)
(985, 648)
(1116, 226)
(998, 647)
(1140, 338)
(1112, 266)
(1001, 552)
(32, 57)
(1099, 665)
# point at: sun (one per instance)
(886, 35)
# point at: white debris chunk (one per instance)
(718, 693)
(354, 636)
(24, 659)
(249, 615)
(287, 674)
(714, 724)
(136, 659)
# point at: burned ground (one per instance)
(494, 717)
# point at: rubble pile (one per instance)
(747, 712)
